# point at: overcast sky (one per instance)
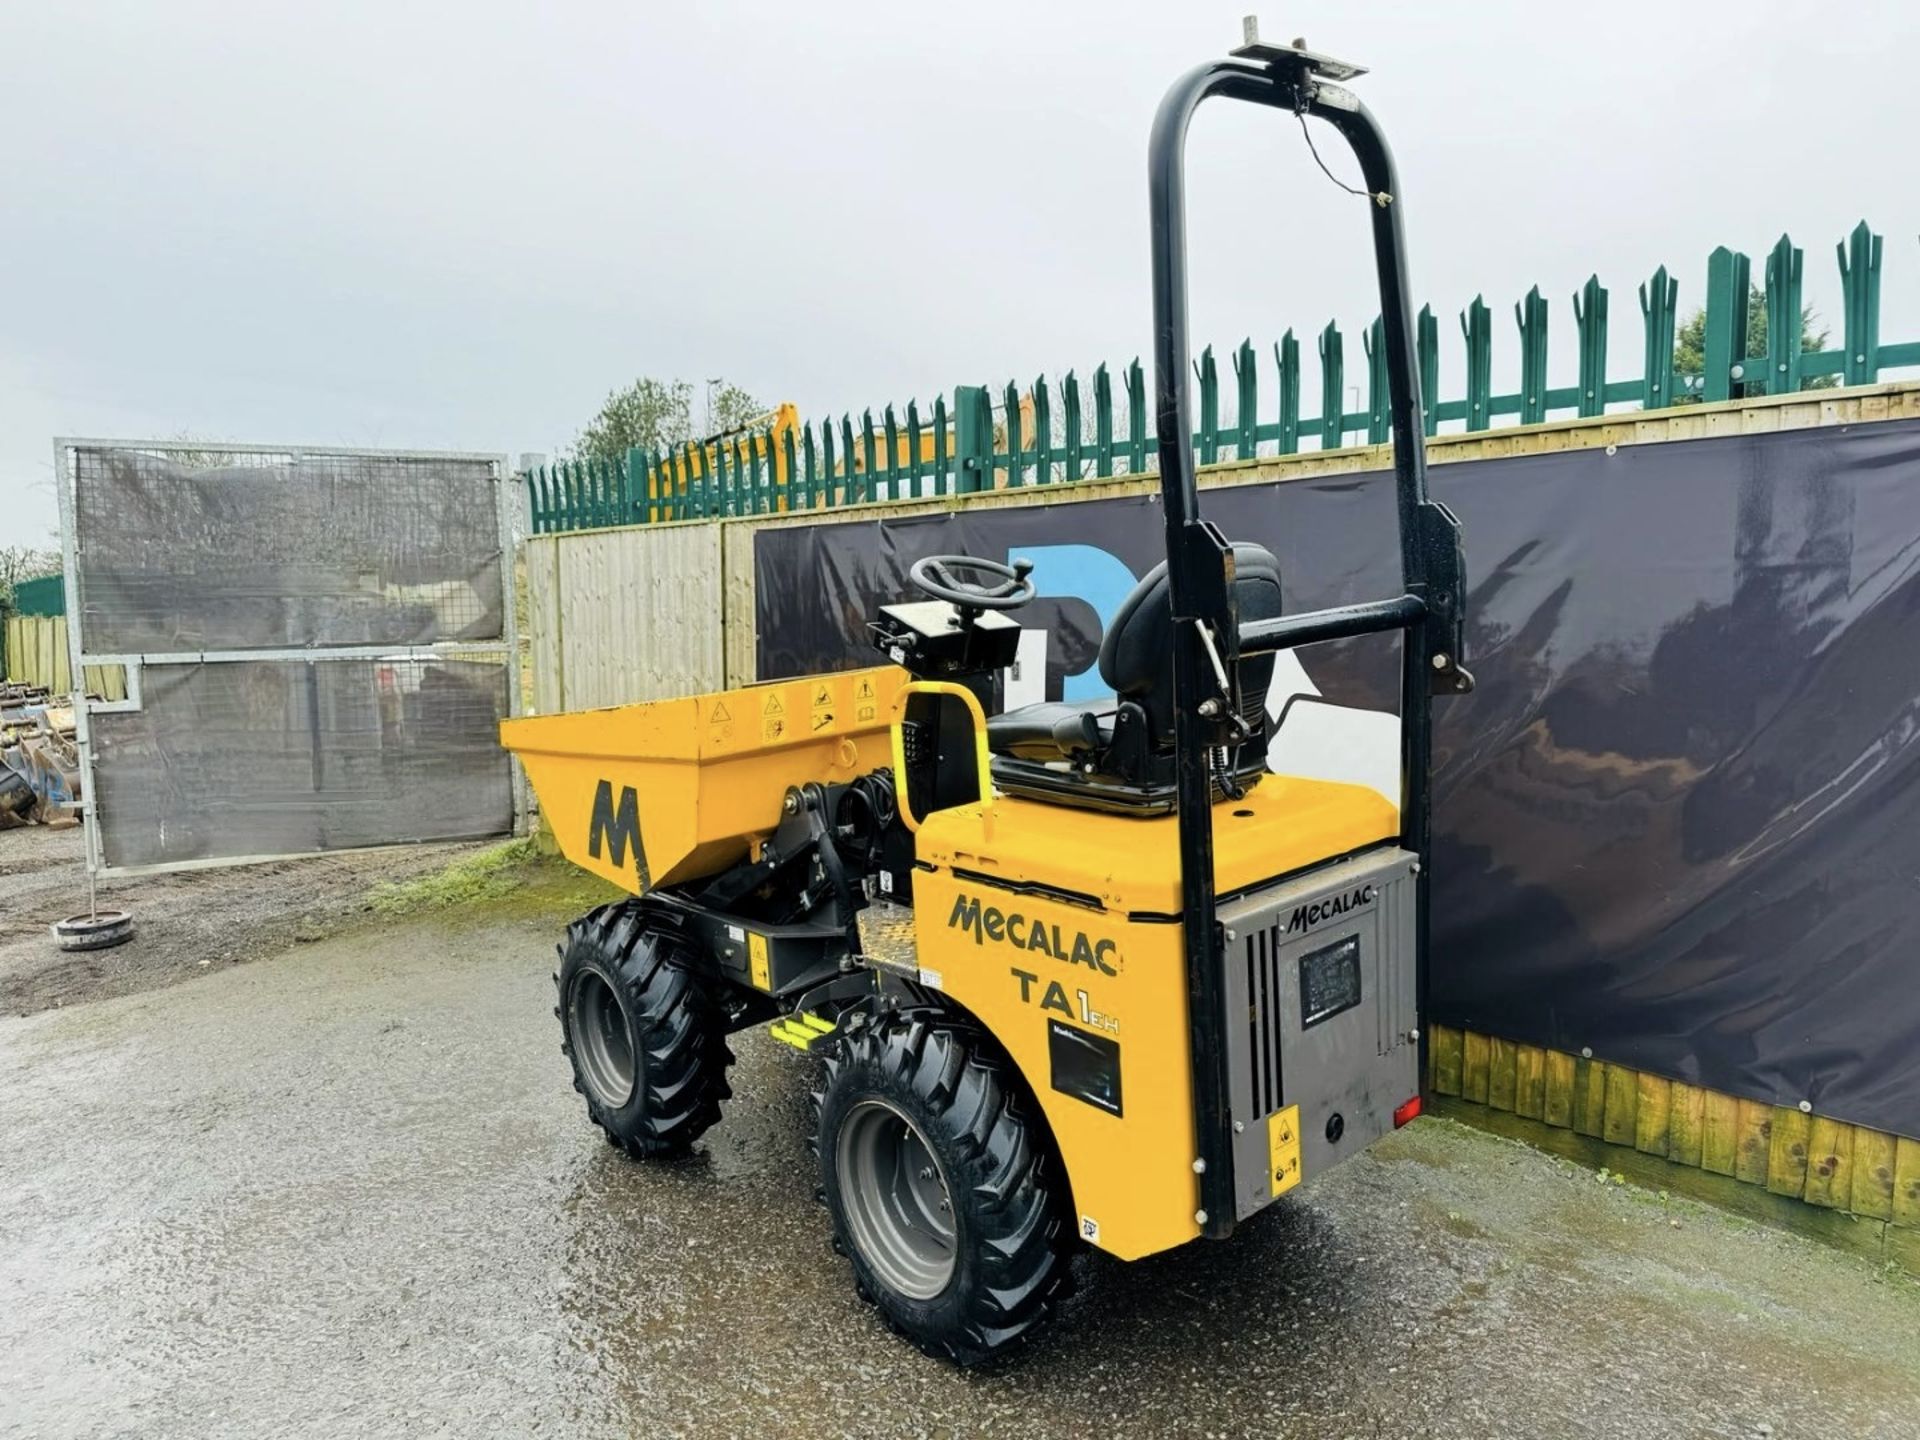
(460, 226)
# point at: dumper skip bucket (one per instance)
(673, 790)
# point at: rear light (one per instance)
(1408, 1111)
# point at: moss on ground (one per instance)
(510, 876)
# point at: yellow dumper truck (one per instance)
(1078, 973)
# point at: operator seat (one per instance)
(1117, 751)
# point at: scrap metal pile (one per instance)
(39, 761)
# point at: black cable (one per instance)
(1225, 763)
(1379, 199)
(872, 793)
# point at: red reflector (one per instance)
(1406, 1112)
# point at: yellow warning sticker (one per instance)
(863, 689)
(757, 967)
(865, 712)
(773, 729)
(720, 713)
(773, 705)
(824, 708)
(1283, 1149)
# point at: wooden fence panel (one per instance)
(617, 616)
(37, 654)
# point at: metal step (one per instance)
(801, 1029)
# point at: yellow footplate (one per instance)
(801, 1030)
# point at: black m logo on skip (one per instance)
(616, 829)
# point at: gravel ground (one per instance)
(351, 1192)
(184, 924)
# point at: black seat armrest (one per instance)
(1051, 729)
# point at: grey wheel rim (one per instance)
(896, 1200)
(602, 1041)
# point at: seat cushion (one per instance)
(1052, 729)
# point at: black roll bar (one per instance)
(1258, 637)
(1208, 635)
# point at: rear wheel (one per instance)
(645, 1037)
(942, 1187)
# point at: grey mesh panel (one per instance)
(284, 552)
(280, 757)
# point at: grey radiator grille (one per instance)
(1355, 921)
(1263, 1021)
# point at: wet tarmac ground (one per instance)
(349, 1191)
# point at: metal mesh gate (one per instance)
(318, 645)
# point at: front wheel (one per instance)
(941, 1188)
(645, 1036)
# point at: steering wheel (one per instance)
(935, 576)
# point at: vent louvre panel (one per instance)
(1269, 1032)
(1263, 1022)
(1253, 1028)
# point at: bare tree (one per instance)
(24, 562)
(197, 454)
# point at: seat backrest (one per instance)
(1136, 657)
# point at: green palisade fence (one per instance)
(1048, 436)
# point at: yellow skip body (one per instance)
(668, 790)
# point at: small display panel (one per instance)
(1085, 1066)
(1329, 981)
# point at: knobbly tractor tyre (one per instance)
(645, 1037)
(942, 1185)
